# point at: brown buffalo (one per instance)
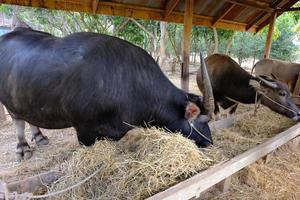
(286, 72)
(231, 84)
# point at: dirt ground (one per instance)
(64, 142)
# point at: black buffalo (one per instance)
(99, 84)
(231, 84)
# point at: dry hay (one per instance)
(278, 178)
(250, 131)
(141, 164)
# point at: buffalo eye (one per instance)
(282, 93)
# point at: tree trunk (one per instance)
(207, 45)
(229, 43)
(216, 41)
(162, 47)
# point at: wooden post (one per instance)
(187, 30)
(2, 112)
(297, 86)
(224, 185)
(269, 36)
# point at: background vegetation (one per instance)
(164, 40)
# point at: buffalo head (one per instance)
(275, 95)
(198, 113)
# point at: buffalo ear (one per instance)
(192, 111)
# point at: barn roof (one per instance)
(242, 15)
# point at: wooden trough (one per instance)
(218, 175)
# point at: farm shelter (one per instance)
(290, 133)
(246, 15)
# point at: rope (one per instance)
(257, 102)
(278, 103)
(199, 132)
(61, 191)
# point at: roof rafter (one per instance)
(267, 21)
(261, 16)
(223, 14)
(253, 4)
(170, 7)
(289, 9)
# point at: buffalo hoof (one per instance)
(23, 151)
(40, 139)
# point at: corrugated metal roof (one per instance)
(243, 15)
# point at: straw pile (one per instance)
(279, 179)
(250, 131)
(143, 163)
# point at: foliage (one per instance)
(146, 33)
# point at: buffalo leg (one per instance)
(87, 135)
(217, 112)
(232, 110)
(37, 135)
(23, 149)
(227, 104)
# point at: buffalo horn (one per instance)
(204, 85)
(267, 82)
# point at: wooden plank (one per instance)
(290, 9)
(30, 184)
(221, 124)
(297, 87)
(294, 144)
(227, 122)
(259, 5)
(223, 14)
(125, 10)
(2, 112)
(187, 33)
(255, 20)
(286, 6)
(202, 181)
(170, 7)
(224, 185)
(261, 17)
(269, 36)
(3, 190)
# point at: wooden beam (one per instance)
(170, 7)
(204, 180)
(187, 33)
(30, 184)
(267, 21)
(255, 20)
(227, 122)
(259, 19)
(269, 36)
(125, 10)
(95, 4)
(223, 14)
(289, 10)
(259, 5)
